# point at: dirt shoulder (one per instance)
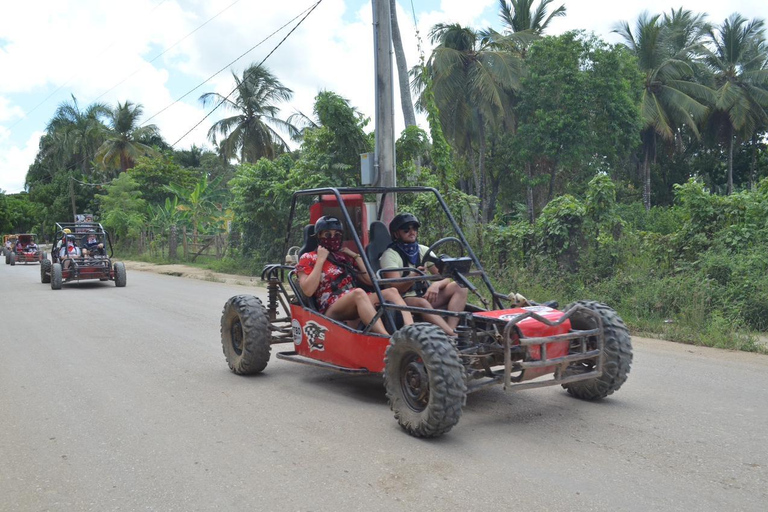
(189, 272)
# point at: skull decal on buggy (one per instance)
(315, 335)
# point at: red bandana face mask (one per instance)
(333, 243)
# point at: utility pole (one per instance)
(384, 156)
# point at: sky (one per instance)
(162, 54)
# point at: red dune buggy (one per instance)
(81, 251)
(585, 348)
(24, 250)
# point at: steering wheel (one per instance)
(440, 243)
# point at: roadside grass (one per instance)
(675, 309)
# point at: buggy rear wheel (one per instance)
(56, 276)
(45, 271)
(12, 259)
(121, 277)
(245, 334)
(424, 380)
(618, 353)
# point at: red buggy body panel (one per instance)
(318, 338)
(531, 328)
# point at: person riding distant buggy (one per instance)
(25, 250)
(73, 259)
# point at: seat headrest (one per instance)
(310, 242)
(379, 241)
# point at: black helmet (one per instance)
(401, 220)
(325, 223)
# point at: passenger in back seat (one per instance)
(329, 275)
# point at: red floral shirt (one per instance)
(335, 281)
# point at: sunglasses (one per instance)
(409, 228)
(331, 233)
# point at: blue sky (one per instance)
(53, 49)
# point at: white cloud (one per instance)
(14, 161)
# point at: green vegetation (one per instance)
(634, 174)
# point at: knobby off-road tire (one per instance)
(45, 271)
(8, 257)
(618, 354)
(121, 277)
(56, 276)
(12, 259)
(424, 380)
(245, 334)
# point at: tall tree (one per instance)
(406, 102)
(249, 134)
(472, 80)
(126, 140)
(520, 16)
(739, 63)
(670, 98)
(77, 134)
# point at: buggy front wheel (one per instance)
(617, 353)
(12, 259)
(45, 271)
(245, 334)
(121, 278)
(424, 380)
(56, 276)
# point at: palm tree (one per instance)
(126, 140)
(670, 97)
(739, 63)
(249, 135)
(519, 16)
(77, 134)
(522, 26)
(472, 80)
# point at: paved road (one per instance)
(120, 399)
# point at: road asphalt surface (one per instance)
(119, 399)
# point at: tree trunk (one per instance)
(730, 160)
(402, 69)
(529, 192)
(646, 180)
(753, 164)
(552, 176)
(483, 192)
(72, 198)
(172, 243)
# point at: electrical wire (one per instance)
(310, 9)
(259, 65)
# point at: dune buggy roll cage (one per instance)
(387, 308)
(80, 230)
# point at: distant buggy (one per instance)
(585, 348)
(24, 249)
(81, 251)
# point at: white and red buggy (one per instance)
(81, 251)
(24, 250)
(585, 348)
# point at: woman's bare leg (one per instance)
(353, 304)
(439, 321)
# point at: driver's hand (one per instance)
(322, 253)
(432, 292)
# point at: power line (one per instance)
(165, 51)
(259, 65)
(310, 9)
